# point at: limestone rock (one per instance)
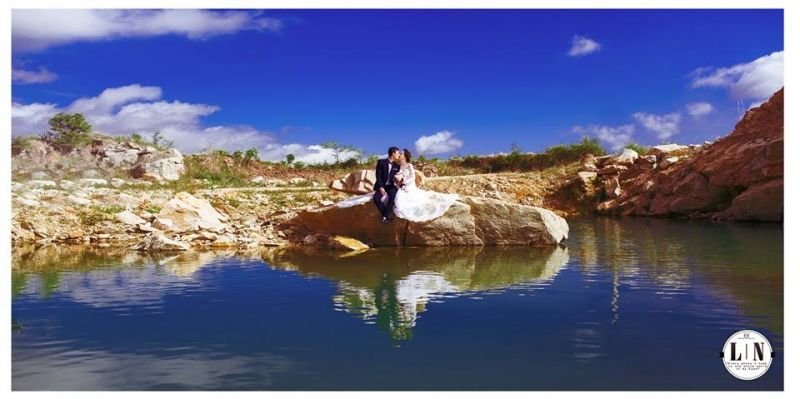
(346, 243)
(358, 182)
(470, 221)
(189, 213)
(170, 169)
(130, 218)
(363, 181)
(157, 241)
(627, 157)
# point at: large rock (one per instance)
(170, 168)
(470, 221)
(358, 182)
(627, 157)
(189, 213)
(668, 150)
(363, 181)
(739, 176)
(157, 241)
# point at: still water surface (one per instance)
(626, 304)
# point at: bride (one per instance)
(411, 203)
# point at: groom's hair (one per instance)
(392, 150)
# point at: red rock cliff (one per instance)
(738, 177)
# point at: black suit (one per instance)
(384, 178)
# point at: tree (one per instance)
(160, 141)
(289, 158)
(341, 150)
(251, 154)
(516, 149)
(66, 131)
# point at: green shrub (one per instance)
(68, 131)
(519, 161)
(640, 149)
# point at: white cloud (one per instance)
(31, 118)
(24, 76)
(39, 29)
(582, 45)
(140, 109)
(757, 79)
(699, 109)
(615, 137)
(665, 126)
(438, 143)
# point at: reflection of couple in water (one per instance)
(396, 191)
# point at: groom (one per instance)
(384, 183)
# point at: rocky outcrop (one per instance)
(470, 221)
(186, 212)
(41, 161)
(168, 168)
(363, 181)
(738, 177)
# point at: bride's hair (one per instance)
(407, 154)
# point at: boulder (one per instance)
(346, 243)
(170, 169)
(130, 218)
(363, 181)
(188, 212)
(157, 241)
(358, 182)
(627, 157)
(119, 156)
(470, 221)
(761, 202)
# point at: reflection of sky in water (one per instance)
(628, 304)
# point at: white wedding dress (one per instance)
(411, 203)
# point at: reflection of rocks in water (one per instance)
(672, 255)
(391, 286)
(104, 277)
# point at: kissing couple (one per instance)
(396, 191)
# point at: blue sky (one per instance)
(442, 82)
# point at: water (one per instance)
(627, 304)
